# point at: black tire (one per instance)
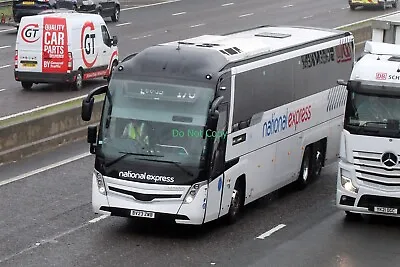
(353, 216)
(27, 85)
(394, 4)
(304, 176)
(237, 203)
(352, 7)
(117, 12)
(317, 159)
(77, 85)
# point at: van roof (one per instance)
(70, 16)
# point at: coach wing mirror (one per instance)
(212, 119)
(341, 82)
(114, 40)
(88, 102)
(92, 138)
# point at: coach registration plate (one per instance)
(142, 214)
(385, 210)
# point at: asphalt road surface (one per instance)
(142, 27)
(46, 220)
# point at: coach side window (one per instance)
(218, 154)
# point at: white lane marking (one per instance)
(123, 24)
(141, 37)
(149, 5)
(8, 30)
(307, 17)
(366, 20)
(246, 15)
(5, 66)
(54, 238)
(287, 6)
(43, 169)
(228, 4)
(270, 232)
(95, 220)
(43, 107)
(177, 14)
(197, 25)
(1, 90)
(6, 46)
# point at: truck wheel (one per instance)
(27, 85)
(115, 17)
(237, 202)
(78, 83)
(304, 176)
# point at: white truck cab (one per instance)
(63, 48)
(368, 179)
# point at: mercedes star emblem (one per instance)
(389, 159)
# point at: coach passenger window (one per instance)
(218, 154)
(106, 36)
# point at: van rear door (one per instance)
(42, 45)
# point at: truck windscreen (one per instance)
(372, 114)
(155, 123)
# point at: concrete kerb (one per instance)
(45, 128)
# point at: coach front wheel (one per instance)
(237, 202)
(305, 169)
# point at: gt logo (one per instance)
(88, 45)
(30, 33)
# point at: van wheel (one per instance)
(27, 85)
(115, 17)
(237, 202)
(304, 176)
(352, 7)
(78, 83)
(395, 4)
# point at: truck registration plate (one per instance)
(385, 210)
(142, 214)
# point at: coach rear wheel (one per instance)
(304, 176)
(317, 159)
(27, 85)
(237, 202)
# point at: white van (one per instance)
(63, 48)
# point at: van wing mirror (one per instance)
(114, 40)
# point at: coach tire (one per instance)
(237, 202)
(78, 83)
(115, 17)
(27, 85)
(304, 175)
(317, 159)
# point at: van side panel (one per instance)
(55, 45)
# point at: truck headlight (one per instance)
(100, 183)
(191, 194)
(348, 184)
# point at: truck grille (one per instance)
(369, 168)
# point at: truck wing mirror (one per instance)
(341, 82)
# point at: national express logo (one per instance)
(145, 176)
(291, 119)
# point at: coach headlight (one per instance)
(100, 183)
(191, 194)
